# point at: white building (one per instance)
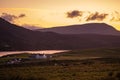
(38, 56)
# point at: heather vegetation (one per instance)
(65, 66)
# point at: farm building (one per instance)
(38, 56)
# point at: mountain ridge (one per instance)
(13, 37)
(90, 28)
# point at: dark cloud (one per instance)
(96, 16)
(21, 15)
(93, 16)
(89, 17)
(10, 17)
(74, 14)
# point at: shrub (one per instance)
(118, 76)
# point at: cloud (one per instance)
(97, 16)
(21, 15)
(115, 16)
(10, 17)
(74, 14)
(89, 17)
(93, 16)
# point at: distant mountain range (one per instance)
(31, 27)
(91, 28)
(13, 37)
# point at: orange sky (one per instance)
(51, 13)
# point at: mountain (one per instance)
(91, 28)
(13, 37)
(31, 27)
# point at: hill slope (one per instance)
(14, 37)
(91, 28)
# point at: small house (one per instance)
(14, 61)
(38, 56)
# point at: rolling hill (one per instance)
(91, 28)
(13, 37)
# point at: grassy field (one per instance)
(90, 64)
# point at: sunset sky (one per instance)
(51, 13)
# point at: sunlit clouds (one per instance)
(10, 17)
(93, 16)
(52, 13)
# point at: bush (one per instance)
(110, 74)
(17, 77)
(118, 76)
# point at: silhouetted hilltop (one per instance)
(91, 28)
(13, 37)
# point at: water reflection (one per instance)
(33, 52)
